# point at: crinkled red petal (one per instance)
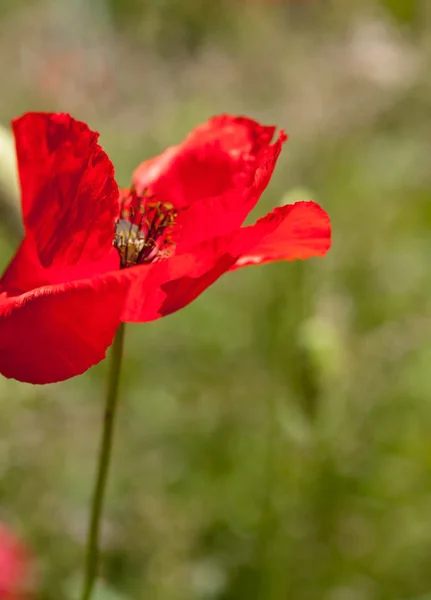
(25, 273)
(217, 216)
(164, 287)
(69, 194)
(217, 156)
(303, 231)
(235, 134)
(56, 332)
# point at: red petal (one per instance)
(220, 215)
(56, 332)
(216, 157)
(162, 288)
(69, 195)
(25, 273)
(303, 231)
(236, 135)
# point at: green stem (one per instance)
(93, 550)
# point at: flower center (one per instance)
(143, 231)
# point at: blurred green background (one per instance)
(274, 438)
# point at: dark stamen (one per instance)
(148, 237)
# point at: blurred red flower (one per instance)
(93, 257)
(13, 566)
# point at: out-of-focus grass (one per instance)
(324, 365)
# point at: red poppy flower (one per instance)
(13, 566)
(93, 257)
